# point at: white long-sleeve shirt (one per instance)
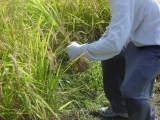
(134, 20)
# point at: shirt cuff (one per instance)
(82, 50)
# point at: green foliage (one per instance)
(85, 19)
(34, 82)
(85, 88)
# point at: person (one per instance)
(129, 49)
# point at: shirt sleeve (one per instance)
(118, 33)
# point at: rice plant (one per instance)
(32, 58)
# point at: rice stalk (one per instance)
(57, 24)
(65, 105)
(15, 67)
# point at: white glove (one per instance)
(72, 50)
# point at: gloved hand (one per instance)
(72, 50)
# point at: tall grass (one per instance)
(32, 54)
(26, 79)
(86, 19)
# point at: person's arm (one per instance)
(118, 33)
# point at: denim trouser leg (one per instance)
(142, 66)
(113, 76)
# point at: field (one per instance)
(37, 79)
(36, 76)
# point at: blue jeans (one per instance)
(128, 80)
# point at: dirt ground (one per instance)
(155, 100)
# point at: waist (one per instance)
(151, 46)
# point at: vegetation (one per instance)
(36, 76)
